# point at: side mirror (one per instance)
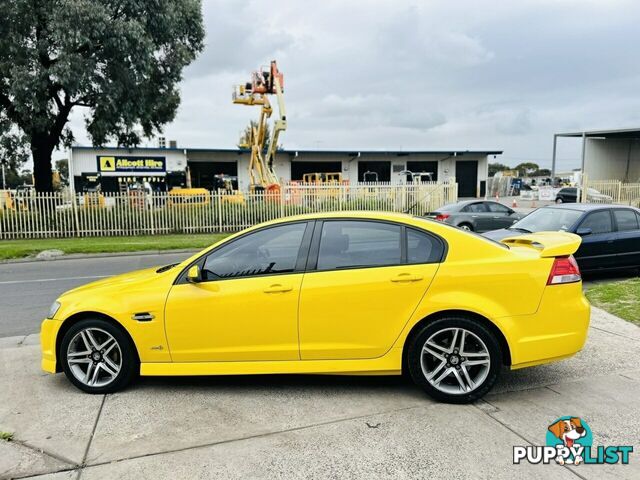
(194, 275)
(583, 232)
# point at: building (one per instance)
(606, 154)
(165, 168)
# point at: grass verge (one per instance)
(619, 298)
(24, 248)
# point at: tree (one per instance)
(13, 153)
(122, 61)
(62, 166)
(497, 167)
(543, 172)
(526, 168)
(246, 137)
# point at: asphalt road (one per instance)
(28, 289)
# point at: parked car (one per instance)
(570, 195)
(341, 293)
(610, 233)
(476, 215)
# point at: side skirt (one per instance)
(389, 364)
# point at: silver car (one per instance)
(476, 215)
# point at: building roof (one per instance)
(619, 133)
(295, 152)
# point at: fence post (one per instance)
(282, 197)
(75, 213)
(151, 212)
(219, 204)
(618, 199)
(583, 190)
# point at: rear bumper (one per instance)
(556, 331)
(48, 333)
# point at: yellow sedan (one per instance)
(357, 293)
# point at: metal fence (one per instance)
(137, 213)
(621, 193)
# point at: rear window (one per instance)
(446, 225)
(448, 208)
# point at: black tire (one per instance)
(129, 368)
(559, 200)
(414, 358)
(466, 226)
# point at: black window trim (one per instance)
(303, 253)
(314, 251)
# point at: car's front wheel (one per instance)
(455, 359)
(97, 356)
(559, 200)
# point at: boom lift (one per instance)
(264, 82)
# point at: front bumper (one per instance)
(48, 334)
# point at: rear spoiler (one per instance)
(548, 244)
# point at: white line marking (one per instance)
(54, 279)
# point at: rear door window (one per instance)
(353, 243)
(626, 220)
(478, 207)
(497, 208)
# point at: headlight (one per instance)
(55, 306)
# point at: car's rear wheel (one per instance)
(98, 357)
(559, 200)
(454, 359)
(466, 226)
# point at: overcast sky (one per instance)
(419, 75)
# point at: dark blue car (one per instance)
(610, 233)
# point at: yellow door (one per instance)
(364, 289)
(246, 305)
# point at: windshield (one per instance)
(548, 219)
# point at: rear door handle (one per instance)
(406, 277)
(277, 288)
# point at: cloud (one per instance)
(421, 75)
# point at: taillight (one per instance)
(442, 216)
(564, 270)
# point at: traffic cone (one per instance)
(514, 204)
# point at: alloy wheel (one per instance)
(94, 357)
(455, 361)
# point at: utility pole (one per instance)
(4, 177)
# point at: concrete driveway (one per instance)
(315, 426)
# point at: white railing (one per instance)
(136, 213)
(621, 193)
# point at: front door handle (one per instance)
(277, 288)
(406, 277)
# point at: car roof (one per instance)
(367, 215)
(586, 207)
